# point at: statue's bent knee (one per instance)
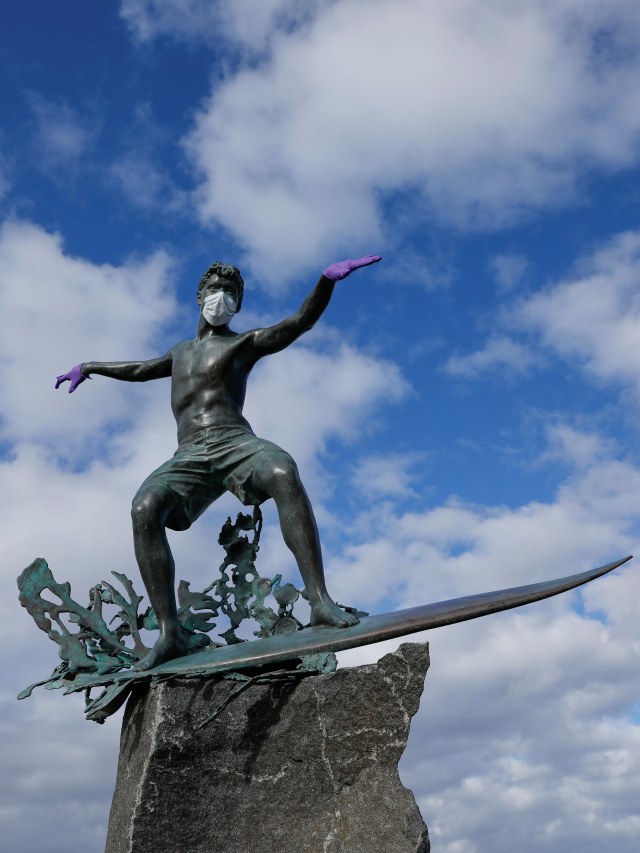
(150, 504)
(285, 468)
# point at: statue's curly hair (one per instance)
(227, 271)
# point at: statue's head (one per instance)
(227, 271)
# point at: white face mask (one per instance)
(218, 308)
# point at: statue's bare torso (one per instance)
(209, 382)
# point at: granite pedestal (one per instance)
(310, 767)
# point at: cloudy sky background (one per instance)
(465, 416)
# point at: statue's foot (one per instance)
(327, 612)
(166, 648)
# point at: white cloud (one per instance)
(62, 136)
(145, 185)
(542, 733)
(593, 317)
(486, 112)
(57, 311)
(137, 172)
(500, 353)
(320, 396)
(390, 475)
(527, 718)
(249, 23)
(51, 800)
(570, 445)
(509, 270)
(5, 183)
(459, 549)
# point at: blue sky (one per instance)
(464, 415)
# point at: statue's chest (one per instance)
(207, 360)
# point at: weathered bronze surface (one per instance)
(217, 449)
(309, 649)
(375, 629)
(98, 646)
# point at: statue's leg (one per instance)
(150, 511)
(280, 480)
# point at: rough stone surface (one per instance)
(290, 768)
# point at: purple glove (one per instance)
(75, 376)
(341, 269)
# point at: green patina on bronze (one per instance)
(276, 655)
(98, 648)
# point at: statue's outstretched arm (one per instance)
(128, 371)
(276, 338)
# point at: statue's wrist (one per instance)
(330, 275)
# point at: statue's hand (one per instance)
(341, 269)
(75, 377)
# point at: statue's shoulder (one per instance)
(241, 338)
(181, 347)
(244, 336)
